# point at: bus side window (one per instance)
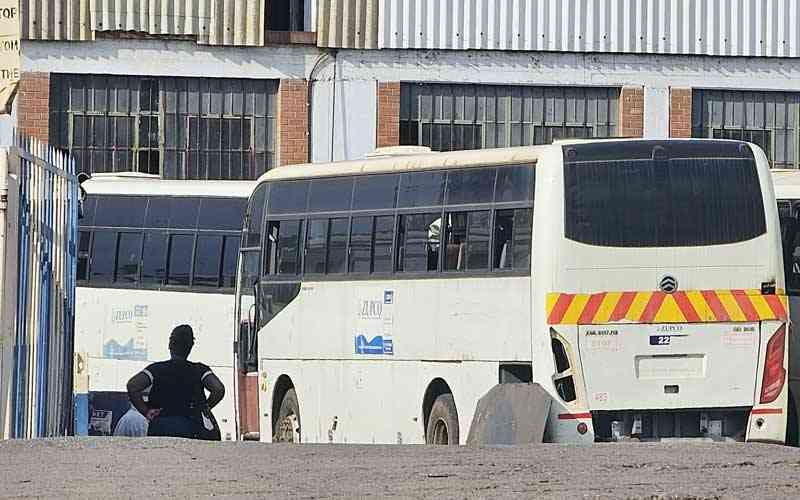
(337, 246)
(230, 251)
(129, 258)
(514, 183)
(221, 214)
(84, 240)
(512, 239)
(183, 213)
(418, 242)
(207, 261)
(270, 248)
(288, 248)
(467, 241)
(316, 246)
(255, 216)
(181, 247)
(382, 247)
(361, 244)
(104, 249)
(120, 211)
(154, 261)
(470, 185)
(282, 251)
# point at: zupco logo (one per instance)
(668, 284)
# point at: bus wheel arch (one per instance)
(285, 411)
(439, 414)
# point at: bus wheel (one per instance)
(443, 421)
(287, 429)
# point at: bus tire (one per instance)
(442, 425)
(287, 428)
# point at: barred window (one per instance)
(451, 117)
(767, 119)
(179, 128)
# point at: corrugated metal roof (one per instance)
(55, 20)
(704, 27)
(351, 24)
(213, 22)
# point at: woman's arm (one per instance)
(136, 386)
(214, 385)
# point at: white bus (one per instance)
(787, 192)
(639, 283)
(153, 254)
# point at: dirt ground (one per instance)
(145, 468)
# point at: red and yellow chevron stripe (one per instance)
(699, 306)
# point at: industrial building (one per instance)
(225, 89)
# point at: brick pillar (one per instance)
(680, 113)
(388, 129)
(33, 105)
(293, 122)
(631, 112)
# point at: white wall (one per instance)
(657, 74)
(532, 68)
(168, 58)
(344, 115)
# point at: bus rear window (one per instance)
(669, 201)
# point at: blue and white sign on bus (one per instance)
(375, 324)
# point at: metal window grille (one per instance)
(450, 117)
(180, 128)
(769, 119)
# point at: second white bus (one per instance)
(154, 254)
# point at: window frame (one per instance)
(146, 231)
(492, 207)
(513, 115)
(125, 140)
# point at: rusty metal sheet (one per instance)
(351, 24)
(212, 22)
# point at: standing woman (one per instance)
(177, 405)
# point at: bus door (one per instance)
(247, 345)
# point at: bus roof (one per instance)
(143, 185)
(409, 158)
(787, 183)
(399, 161)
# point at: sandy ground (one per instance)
(146, 468)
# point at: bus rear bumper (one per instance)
(707, 424)
(767, 425)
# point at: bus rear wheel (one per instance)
(442, 425)
(287, 427)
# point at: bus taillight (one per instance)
(774, 373)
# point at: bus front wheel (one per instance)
(443, 421)
(287, 428)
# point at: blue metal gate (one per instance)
(41, 392)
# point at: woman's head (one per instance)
(181, 341)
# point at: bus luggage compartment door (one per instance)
(669, 366)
